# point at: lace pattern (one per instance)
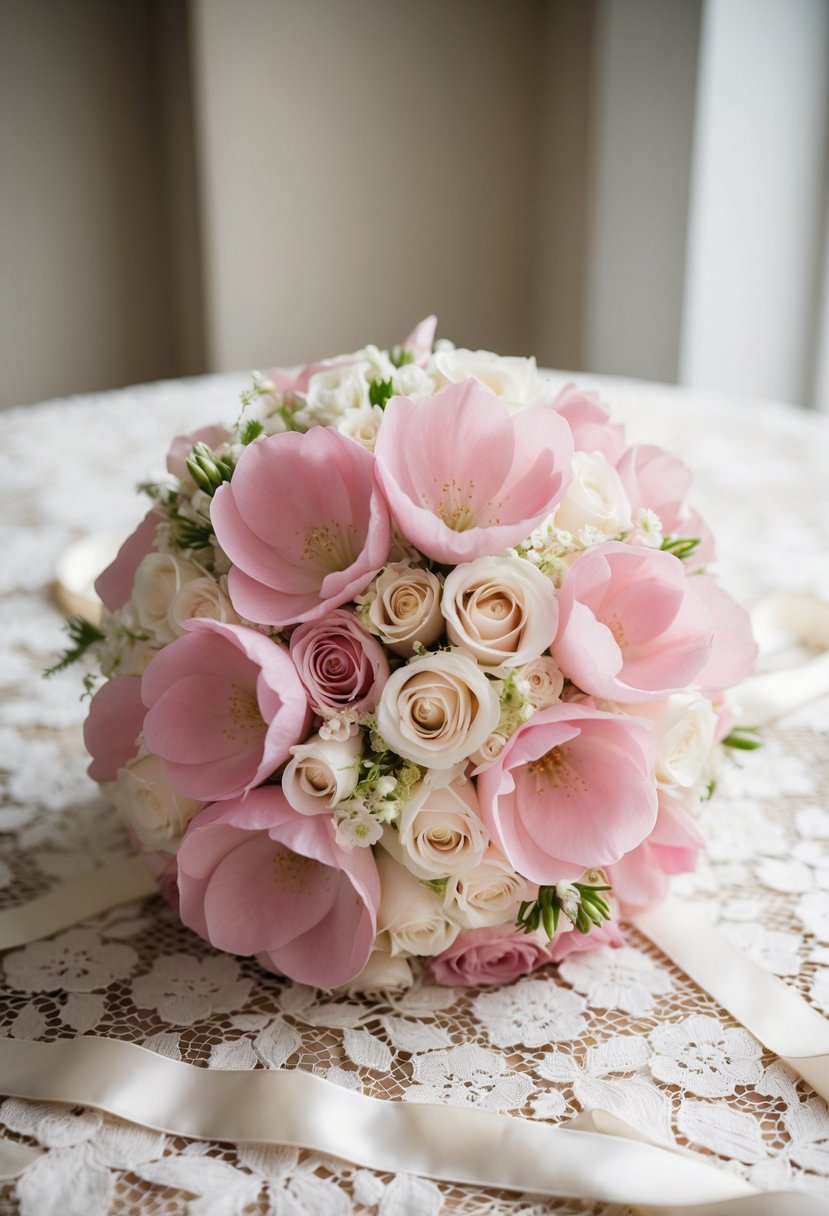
(623, 1030)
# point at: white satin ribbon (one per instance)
(798, 619)
(105, 888)
(611, 1163)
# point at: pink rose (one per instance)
(341, 665)
(640, 878)
(114, 585)
(572, 789)
(480, 958)
(574, 942)
(631, 627)
(304, 525)
(113, 724)
(256, 878)
(463, 477)
(225, 705)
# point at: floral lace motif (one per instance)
(621, 1030)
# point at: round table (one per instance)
(620, 1030)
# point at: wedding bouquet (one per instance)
(417, 661)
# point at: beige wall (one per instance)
(85, 266)
(363, 164)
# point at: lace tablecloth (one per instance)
(621, 1030)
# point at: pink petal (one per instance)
(114, 585)
(112, 727)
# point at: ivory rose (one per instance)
(201, 597)
(631, 626)
(410, 912)
(440, 830)
(321, 773)
(684, 726)
(515, 380)
(155, 811)
(464, 478)
(482, 958)
(225, 705)
(256, 878)
(595, 498)
(159, 579)
(572, 789)
(341, 665)
(405, 609)
(437, 709)
(384, 972)
(491, 894)
(501, 611)
(304, 525)
(542, 681)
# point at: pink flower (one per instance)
(590, 423)
(182, 446)
(463, 477)
(112, 726)
(485, 957)
(225, 705)
(655, 479)
(631, 627)
(574, 942)
(341, 665)
(114, 585)
(734, 652)
(421, 339)
(256, 878)
(640, 878)
(571, 789)
(304, 525)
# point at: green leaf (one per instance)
(379, 392)
(82, 635)
(743, 738)
(252, 429)
(399, 356)
(681, 546)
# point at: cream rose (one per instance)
(437, 710)
(156, 812)
(362, 424)
(332, 392)
(501, 611)
(383, 972)
(515, 380)
(158, 580)
(412, 381)
(595, 498)
(542, 681)
(321, 773)
(684, 725)
(406, 608)
(440, 831)
(491, 894)
(201, 597)
(411, 913)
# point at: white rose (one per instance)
(543, 681)
(158, 580)
(437, 710)
(515, 380)
(406, 608)
(684, 726)
(333, 391)
(595, 498)
(411, 913)
(156, 812)
(491, 894)
(321, 773)
(201, 597)
(384, 972)
(500, 610)
(362, 424)
(440, 831)
(412, 381)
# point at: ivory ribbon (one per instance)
(785, 618)
(774, 1012)
(611, 1163)
(105, 888)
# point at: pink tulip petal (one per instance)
(112, 727)
(114, 585)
